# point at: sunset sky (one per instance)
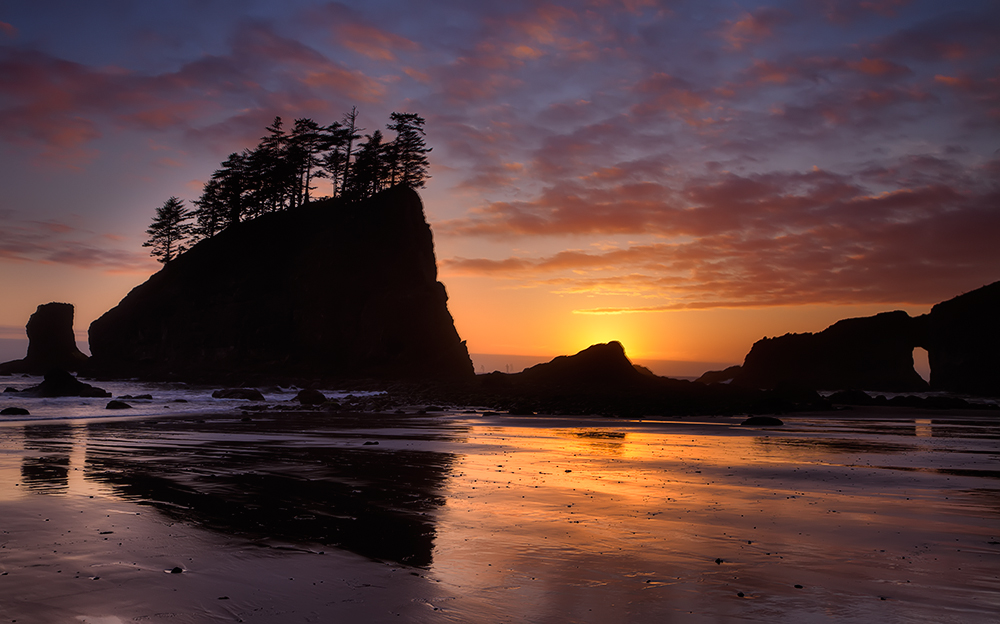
(685, 177)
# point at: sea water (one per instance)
(177, 399)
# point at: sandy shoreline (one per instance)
(879, 515)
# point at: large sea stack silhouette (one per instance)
(329, 289)
(961, 336)
(963, 342)
(872, 353)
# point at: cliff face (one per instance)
(51, 342)
(326, 290)
(871, 353)
(963, 342)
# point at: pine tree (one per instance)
(211, 212)
(369, 173)
(305, 144)
(169, 230)
(410, 149)
(351, 133)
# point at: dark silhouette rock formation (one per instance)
(963, 342)
(871, 353)
(722, 376)
(246, 394)
(59, 383)
(600, 366)
(762, 421)
(602, 380)
(51, 343)
(961, 336)
(326, 290)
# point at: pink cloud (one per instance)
(52, 242)
(62, 107)
(8, 30)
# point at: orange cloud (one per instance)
(765, 239)
(879, 67)
(373, 42)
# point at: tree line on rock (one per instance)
(280, 172)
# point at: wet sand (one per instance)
(868, 515)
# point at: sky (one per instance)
(683, 176)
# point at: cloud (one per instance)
(781, 238)
(8, 30)
(956, 36)
(53, 242)
(755, 27)
(847, 11)
(373, 42)
(63, 108)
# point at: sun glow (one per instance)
(587, 330)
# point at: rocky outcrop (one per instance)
(59, 383)
(963, 342)
(51, 343)
(871, 353)
(602, 380)
(326, 290)
(723, 376)
(596, 367)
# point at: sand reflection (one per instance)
(643, 522)
(485, 519)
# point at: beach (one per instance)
(871, 514)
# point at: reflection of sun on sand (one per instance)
(848, 517)
(636, 517)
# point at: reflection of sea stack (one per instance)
(329, 289)
(51, 342)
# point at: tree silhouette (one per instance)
(369, 169)
(169, 229)
(211, 211)
(306, 143)
(351, 134)
(409, 151)
(279, 173)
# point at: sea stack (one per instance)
(51, 342)
(330, 289)
(963, 342)
(869, 353)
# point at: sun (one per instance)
(589, 329)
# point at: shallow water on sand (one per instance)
(165, 399)
(863, 516)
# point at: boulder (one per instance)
(51, 342)
(14, 411)
(248, 394)
(59, 383)
(763, 421)
(870, 353)
(310, 397)
(117, 405)
(328, 289)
